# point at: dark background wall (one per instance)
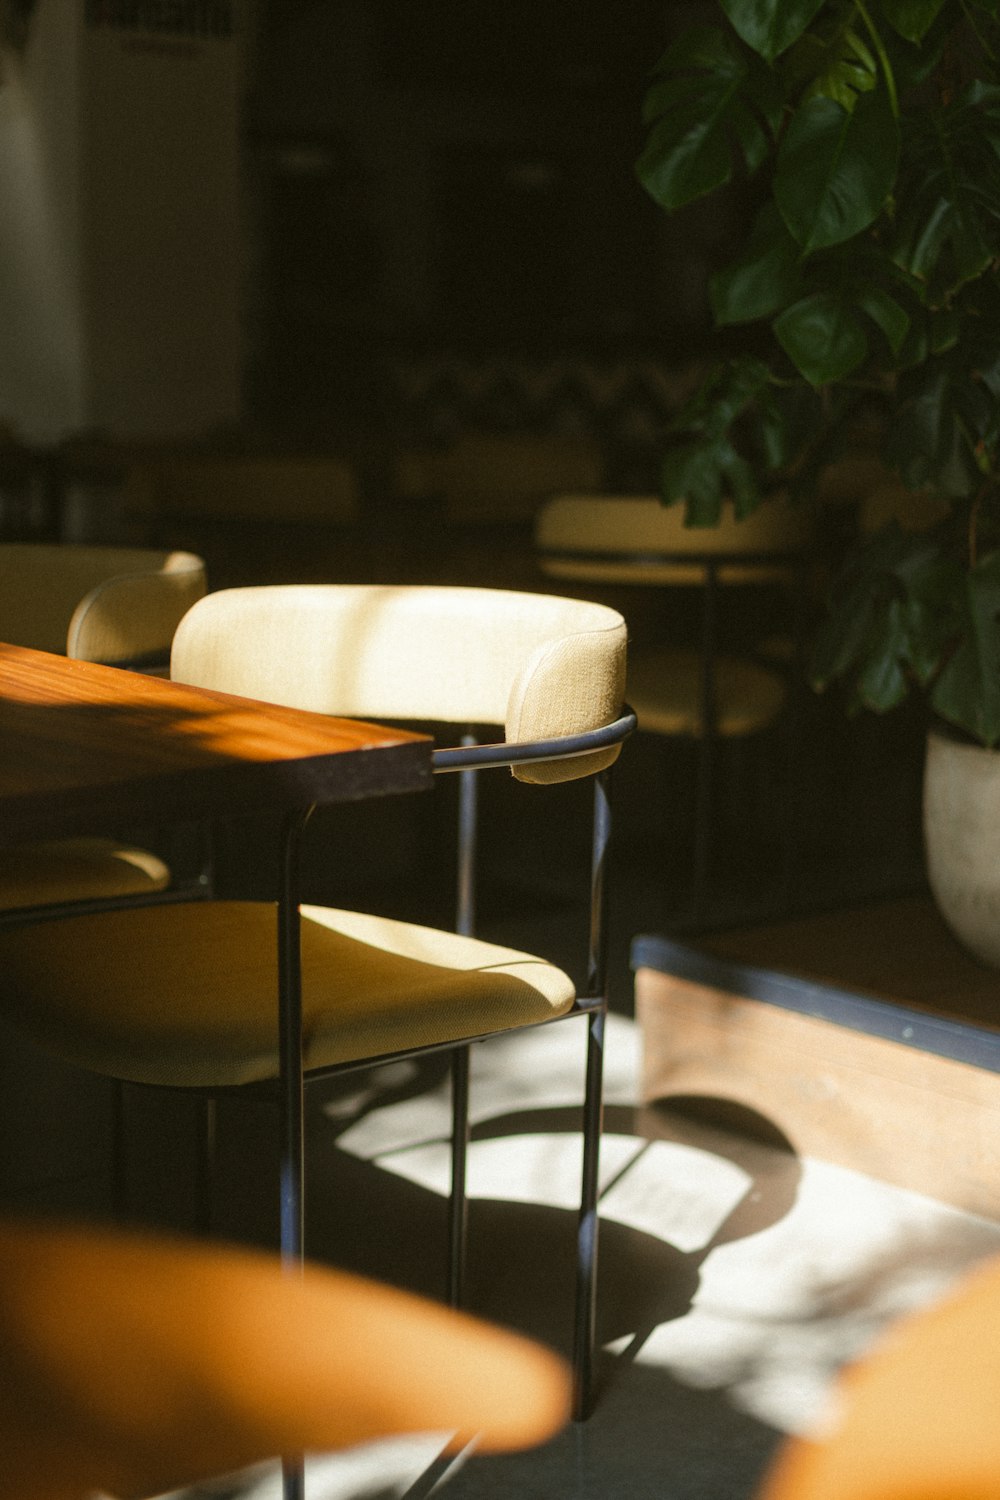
(445, 221)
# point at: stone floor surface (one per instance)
(737, 1278)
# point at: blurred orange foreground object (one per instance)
(919, 1418)
(135, 1365)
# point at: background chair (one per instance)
(118, 605)
(701, 686)
(184, 994)
(251, 514)
(136, 1365)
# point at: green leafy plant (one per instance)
(866, 136)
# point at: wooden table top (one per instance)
(82, 745)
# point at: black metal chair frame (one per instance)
(467, 760)
(713, 563)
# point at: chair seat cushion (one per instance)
(84, 869)
(664, 688)
(186, 994)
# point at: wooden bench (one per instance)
(868, 1037)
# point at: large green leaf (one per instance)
(887, 314)
(940, 415)
(770, 26)
(706, 473)
(836, 169)
(844, 636)
(948, 196)
(707, 99)
(685, 158)
(724, 394)
(822, 336)
(692, 473)
(765, 277)
(912, 18)
(892, 619)
(836, 63)
(932, 581)
(967, 693)
(881, 680)
(699, 56)
(786, 425)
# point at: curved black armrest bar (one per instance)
(482, 757)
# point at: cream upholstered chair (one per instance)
(132, 1364)
(184, 994)
(118, 605)
(695, 691)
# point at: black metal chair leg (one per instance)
(119, 1151)
(585, 1321)
(465, 923)
(458, 1211)
(704, 807)
(205, 1177)
(291, 1094)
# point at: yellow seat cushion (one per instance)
(186, 994)
(84, 869)
(664, 688)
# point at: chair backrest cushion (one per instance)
(95, 603)
(539, 665)
(638, 539)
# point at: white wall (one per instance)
(121, 279)
(41, 353)
(161, 228)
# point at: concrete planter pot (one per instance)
(962, 840)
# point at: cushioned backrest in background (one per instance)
(134, 615)
(97, 603)
(539, 665)
(638, 539)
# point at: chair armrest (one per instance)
(563, 747)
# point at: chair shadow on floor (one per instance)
(650, 1433)
(366, 1215)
